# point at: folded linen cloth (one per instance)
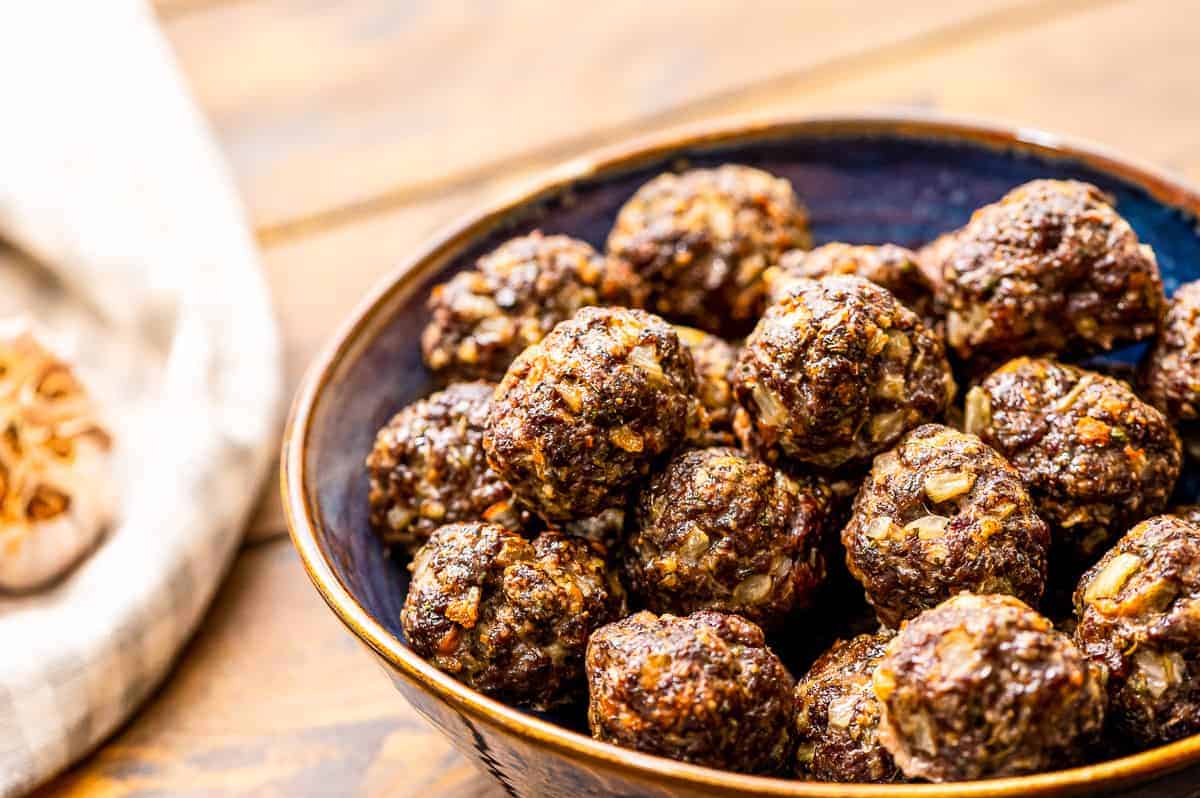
(124, 241)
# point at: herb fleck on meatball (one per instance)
(507, 616)
(982, 687)
(701, 241)
(1095, 458)
(702, 688)
(940, 514)
(428, 468)
(719, 530)
(837, 371)
(582, 415)
(1138, 616)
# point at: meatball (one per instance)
(837, 715)
(940, 514)
(838, 370)
(983, 686)
(580, 416)
(701, 241)
(719, 530)
(1050, 267)
(428, 468)
(507, 616)
(1095, 458)
(1137, 611)
(712, 424)
(1188, 512)
(1170, 372)
(895, 268)
(482, 318)
(703, 688)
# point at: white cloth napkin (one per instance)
(138, 263)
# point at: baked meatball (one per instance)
(983, 686)
(508, 616)
(428, 469)
(895, 268)
(703, 688)
(482, 318)
(838, 370)
(712, 423)
(719, 530)
(701, 241)
(1095, 458)
(1170, 372)
(1139, 615)
(1050, 267)
(941, 514)
(580, 416)
(837, 715)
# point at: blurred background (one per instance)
(356, 129)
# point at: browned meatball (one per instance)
(719, 530)
(1170, 373)
(712, 423)
(1050, 267)
(580, 416)
(1095, 458)
(702, 688)
(940, 514)
(701, 241)
(1139, 615)
(887, 265)
(509, 617)
(482, 318)
(983, 686)
(838, 371)
(837, 715)
(428, 468)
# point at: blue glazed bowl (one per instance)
(865, 180)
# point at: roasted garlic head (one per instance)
(57, 491)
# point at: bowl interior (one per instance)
(862, 187)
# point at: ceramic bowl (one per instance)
(864, 179)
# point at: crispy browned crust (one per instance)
(712, 422)
(1050, 267)
(940, 514)
(701, 241)
(837, 371)
(702, 688)
(482, 318)
(582, 415)
(507, 616)
(1139, 615)
(1095, 458)
(983, 686)
(428, 469)
(1170, 373)
(895, 268)
(719, 530)
(837, 715)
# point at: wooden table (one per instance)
(358, 128)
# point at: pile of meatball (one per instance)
(648, 464)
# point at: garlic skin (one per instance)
(57, 487)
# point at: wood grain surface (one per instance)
(358, 128)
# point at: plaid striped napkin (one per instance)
(110, 181)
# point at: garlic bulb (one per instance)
(57, 491)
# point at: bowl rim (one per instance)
(367, 319)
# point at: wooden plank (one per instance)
(350, 105)
(275, 697)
